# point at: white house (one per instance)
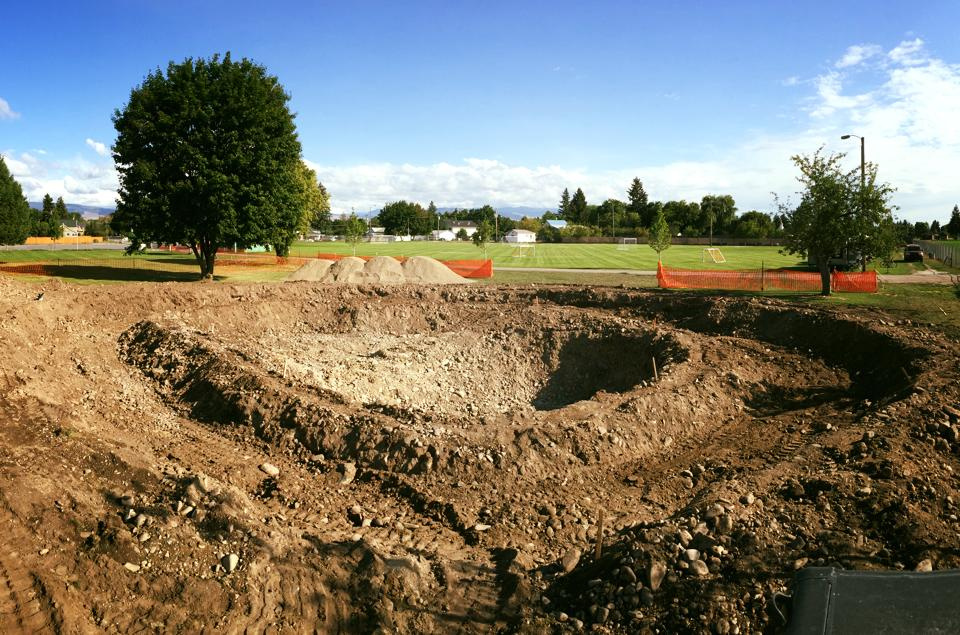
(442, 234)
(71, 229)
(520, 236)
(467, 226)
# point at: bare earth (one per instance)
(395, 459)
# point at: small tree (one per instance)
(659, 234)
(15, 216)
(462, 234)
(836, 217)
(483, 235)
(354, 229)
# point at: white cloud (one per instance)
(76, 180)
(98, 147)
(908, 53)
(858, 54)
(6, 112)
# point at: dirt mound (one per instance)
(349, 269)
(378, 270)
(429, 271)
(448, 459)
(313, 271)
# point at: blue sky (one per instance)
(507, 103)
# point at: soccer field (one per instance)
(565, 256)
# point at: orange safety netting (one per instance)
(764, 280)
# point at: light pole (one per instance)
(863, 183)
(863, 162)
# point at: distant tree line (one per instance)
(406, 218)
(714, 215)
(922, 230)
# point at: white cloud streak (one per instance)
(98, 147)
(858, 54)
(6, 112)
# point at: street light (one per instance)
(863, 182)
(863, 170)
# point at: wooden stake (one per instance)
(656, 377)
(596, 554)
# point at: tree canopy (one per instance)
(953, 225)
(836, 217)
(207, 154)
(15, 219)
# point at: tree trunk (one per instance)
(206, 255)
(824, 265)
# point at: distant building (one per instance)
(466, 225)
(71, 229)
(442, 234)
(557, 224)
(520, 236)
(376, 235)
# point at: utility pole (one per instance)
(863, 185)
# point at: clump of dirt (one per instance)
(183, 457)
(377, 270)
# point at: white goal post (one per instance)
(714, 254)
(626, 243)
(523, 250)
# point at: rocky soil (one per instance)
(332, 458)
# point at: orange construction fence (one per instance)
(764, 280)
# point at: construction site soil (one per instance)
(305, 457)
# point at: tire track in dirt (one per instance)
(26, 605)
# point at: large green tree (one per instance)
(207, 155)
(315, 200)
(953, 226)
(49, 223)
(577, 209)
(612, 214)
(564, 206)
(638, 203)
(15, 217)
(836, 216)
(401, 218)
(717, 214)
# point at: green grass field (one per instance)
(564, 256)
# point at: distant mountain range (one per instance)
(87, 211)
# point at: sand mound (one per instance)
(384, 269)
(430, 271)
(378, 270)
(312, 271)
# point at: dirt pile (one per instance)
(409, 458)
(377, 270)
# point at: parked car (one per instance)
(912, 253)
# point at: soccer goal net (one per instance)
(624, 244)
(713, 254)
(524, 250)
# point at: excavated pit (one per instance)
(396, 383)
(466, 459)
